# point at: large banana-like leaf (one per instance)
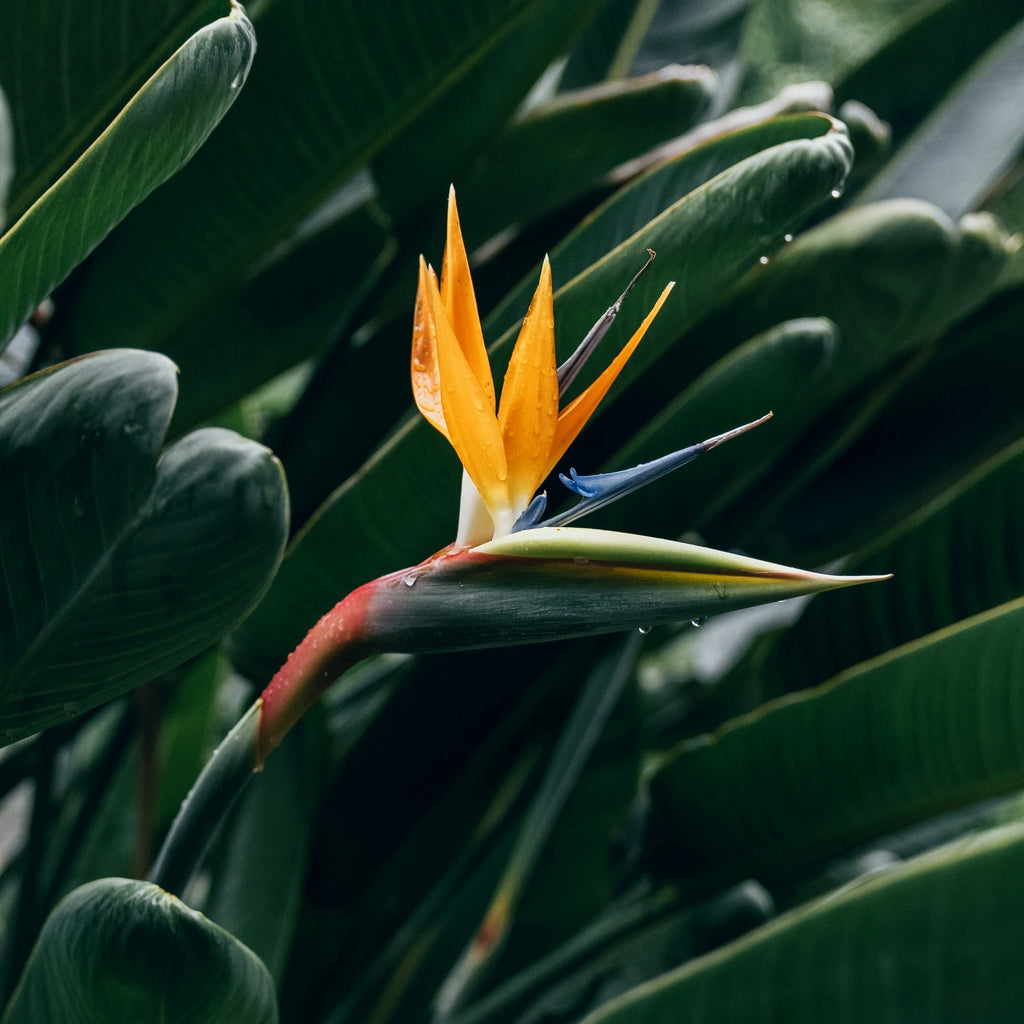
(873, 272)
(593, 130)
(71, 65)
(923, 728)
(707, 237)
(932, 941)
(912, 448)
(956, 557)
(889, 275)
(482, 97)
(156, 134)
(967, 141)
(121, 950)
(912, 67)
(119, 562)
(771, 175)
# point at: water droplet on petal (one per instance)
(410, 580)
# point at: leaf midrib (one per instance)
(74, 599)
(92, 124)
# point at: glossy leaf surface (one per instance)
(927, 941)
(119, 562)
(918, 730)
(123, 950)
(968, 141)
(927, 552)
(156, 134)
(84, 66)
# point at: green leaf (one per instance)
(482, 97)
(257, 877)
(889, 275)
(968, 525)
(914, 451)
(121, 950)
(73, 65)
(932, 941)
(805, 41)
(598, 699)
(290, 308)
(606, 49)
(704, 31)
(120, 563)
(710, 214)
(593, 130)
(892, 277)
(967, 141)
(157, 133)
(921, 729)
(706, 238)
(913, 67)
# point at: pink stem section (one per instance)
(336, 643)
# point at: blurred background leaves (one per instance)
(836, 186)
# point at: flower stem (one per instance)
(329, 649)
(219, 785)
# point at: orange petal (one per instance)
(426, 381)
(470, 423)
(528, 415)
(459, 300)
(575, 415)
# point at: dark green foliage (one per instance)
(585, 812)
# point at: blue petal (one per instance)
(602, 489)
(531, 515)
